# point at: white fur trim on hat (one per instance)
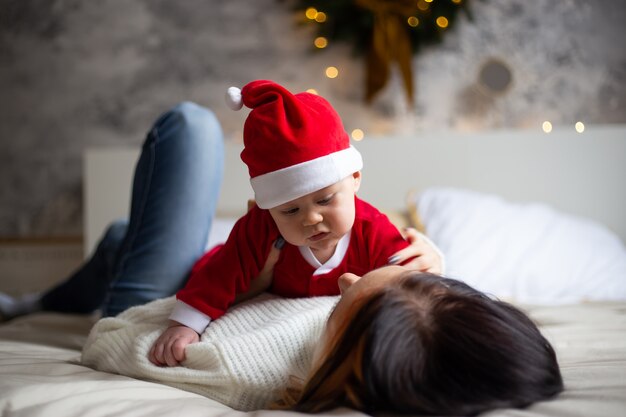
(233, 98)
(279, 187)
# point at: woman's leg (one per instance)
(86, 288)
(175, 190)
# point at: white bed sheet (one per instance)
(40, 374)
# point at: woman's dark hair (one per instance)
(424, 344)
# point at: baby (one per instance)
(307, 228)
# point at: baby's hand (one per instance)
(425, 257)
(169, 348)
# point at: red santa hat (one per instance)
(294, 144)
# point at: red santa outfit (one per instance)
(293, 145)
(227, 270)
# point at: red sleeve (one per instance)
(226, 271)
(382, 238)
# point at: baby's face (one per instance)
(319, 219)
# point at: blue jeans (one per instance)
(175, 190)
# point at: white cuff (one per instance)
(190, 317)
(278, 187)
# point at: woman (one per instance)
(401, 341)
(397, 341)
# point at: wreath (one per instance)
(383, 31)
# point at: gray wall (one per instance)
(76, 74)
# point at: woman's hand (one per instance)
(262, 282)
(169, 348)
(426, 257)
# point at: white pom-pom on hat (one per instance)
(233, 98)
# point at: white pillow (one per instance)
(529, 253)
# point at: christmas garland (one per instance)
(384, 31)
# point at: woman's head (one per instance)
(406, 342)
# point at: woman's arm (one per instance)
(264, 280)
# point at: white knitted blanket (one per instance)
(243, 360)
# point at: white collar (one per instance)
(333, 262)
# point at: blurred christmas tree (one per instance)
(384, 31)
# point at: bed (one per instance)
(532, 218)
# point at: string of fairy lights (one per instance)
(437, 21)
(547, 127)
(354, 21)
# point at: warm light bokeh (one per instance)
(332, 72)
(547, 126)
(357, 134)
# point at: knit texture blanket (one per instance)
(244, 360)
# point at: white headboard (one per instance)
(582, 174)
